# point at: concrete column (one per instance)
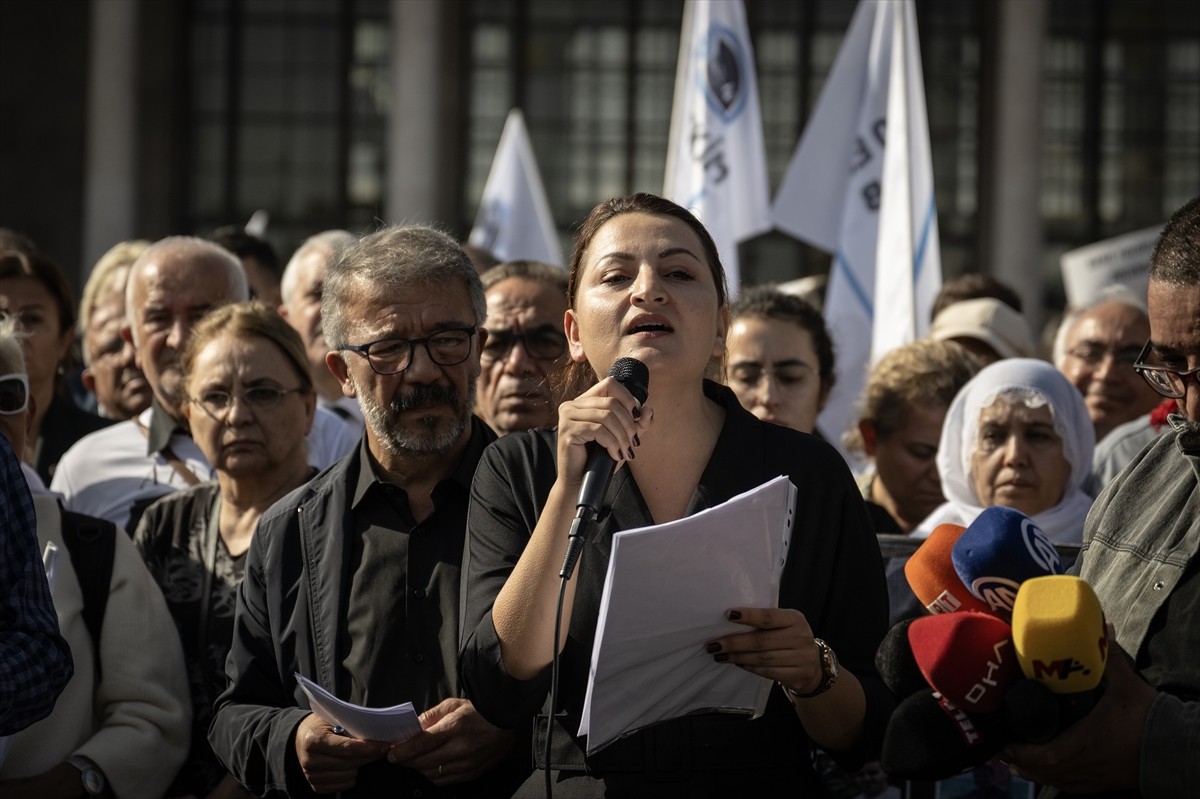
(110, 176)
(1015, 243)
(416, 189)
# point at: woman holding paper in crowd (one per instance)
(646, 282)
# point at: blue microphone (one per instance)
(1000, 550)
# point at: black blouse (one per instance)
(834, 575)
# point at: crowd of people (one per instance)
(219, 475)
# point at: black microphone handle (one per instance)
(596, 474)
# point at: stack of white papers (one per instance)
(665, 597)
(392, 724)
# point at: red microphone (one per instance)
(968, 658)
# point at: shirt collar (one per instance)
(481, 436)
(162, 427)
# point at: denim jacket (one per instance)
(1141, 534)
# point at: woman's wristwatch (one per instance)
(829, 673)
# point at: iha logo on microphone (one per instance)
(979, 690)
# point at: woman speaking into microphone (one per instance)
(646, 283)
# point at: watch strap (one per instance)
(829, 673)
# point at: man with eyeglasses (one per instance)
(353, 580)
(1141, 541)
(526, 303)
(1095, 349)
(116, 473)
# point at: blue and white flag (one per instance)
(860, 185)
(716, 165)
(514, 221)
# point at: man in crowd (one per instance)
(1140, 554)
(302, 284)
(526, 303)
(1095, 348)
(353, 580)
(111, 373)
(117, 472)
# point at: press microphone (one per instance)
(968, 658)
(931, 575)
(1062, 646)
(635, 377)
(895, 662)
(929, 738)
(1000, 550)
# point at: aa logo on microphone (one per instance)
(725, 71)
(1040, 549)
(998, 592)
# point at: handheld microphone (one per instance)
(1062, 645)
(968, 658)
(931, 575)
(929, 738)
(1000, 550)
(633, 374)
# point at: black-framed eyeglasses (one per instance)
(216, 402)
(543, 344)
(14, 393)
(389, 356)
(1163, 379)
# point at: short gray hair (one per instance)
(195, 249)
(397, 257)
(1113, 293)
(330, 241)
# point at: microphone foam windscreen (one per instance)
(1000, 550)
(931, 575)
(1059, 633)
(966, 657)
(894, 660)
(927, 738)
(633, 374)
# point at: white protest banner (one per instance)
(1123, 260)
(514, 220)
(716, 164)
(860, 185)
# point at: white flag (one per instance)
(860, 185)
(514, 219)
(716, 165)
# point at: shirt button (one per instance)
(418, 593)
(419, 658)
(1158, 586)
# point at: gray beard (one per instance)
(431, 435)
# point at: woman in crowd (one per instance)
(34, 291)
(251, 404)
(780, 358)
(903, 407)
(645, 281)
(1017, 435)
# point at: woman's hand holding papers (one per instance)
(782, 647)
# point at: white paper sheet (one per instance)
(665, 597)
(392, 724)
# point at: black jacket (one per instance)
(291, 619)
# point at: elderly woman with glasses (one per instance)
(250, 405)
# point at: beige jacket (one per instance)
(135, 722)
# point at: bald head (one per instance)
(172, 285)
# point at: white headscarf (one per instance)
(1063, 523)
